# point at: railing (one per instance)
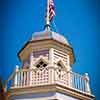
(78, 82)
(22, 78)
(34, 77)
(30, 77)
(40, 77)
(73, 80)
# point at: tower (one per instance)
(46, 72)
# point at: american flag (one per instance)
(51, 10)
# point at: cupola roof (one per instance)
(49, 35)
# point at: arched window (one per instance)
(60, 71)
(59, 65)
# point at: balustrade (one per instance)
(22, 78)
(34, 77)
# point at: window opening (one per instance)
(41, 65)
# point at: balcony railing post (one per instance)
(69, 78)
(69, 73)
(16, 76)
(51, 65)
(86, 77)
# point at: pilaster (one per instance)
(31, 60)
(51, 56)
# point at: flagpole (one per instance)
(47, 26)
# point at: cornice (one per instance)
(51, 88)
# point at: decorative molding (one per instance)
(45, 44)
(51, 88)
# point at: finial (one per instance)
(17, 68)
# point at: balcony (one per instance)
(22, 78)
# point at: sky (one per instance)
(77, 20)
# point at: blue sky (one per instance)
(77, 20)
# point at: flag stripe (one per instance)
(51, 10)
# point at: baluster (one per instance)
(71, 79)
(21, 82)
(80, 83)
(18, 78)
(78, 77)
(82, 87)
(27, 78)
(74, 84)
(24, 77)
(75, 81)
